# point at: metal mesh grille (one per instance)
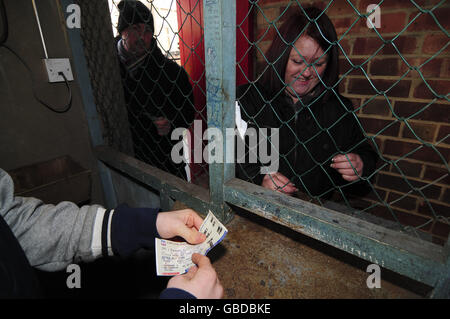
(369, 108)
(324, 124)
(104, 73)
(144, 94)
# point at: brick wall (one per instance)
(416, 165)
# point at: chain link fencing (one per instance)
(163, 88)
(158, 92)
(322, 125)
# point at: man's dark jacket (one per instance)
(309, 137)
(157, 88)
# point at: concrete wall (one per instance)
(29, 132)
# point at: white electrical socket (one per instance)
(54, 66)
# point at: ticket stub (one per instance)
(174, 258)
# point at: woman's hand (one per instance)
(184, 223)
(280, 183)
(347, 164)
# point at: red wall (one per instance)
(192, 55)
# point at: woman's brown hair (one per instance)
(311, 22)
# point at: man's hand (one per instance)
(162, 125)
(200, 281)
(347, 164)
(184, 223)
(280, 183)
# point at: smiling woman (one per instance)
(322, 148)
(304, 70)
(306, 35)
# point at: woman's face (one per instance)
(301, 77)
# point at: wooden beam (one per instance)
(415, 258)
(190, 194)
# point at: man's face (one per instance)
(137, 38)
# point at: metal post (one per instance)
(220, 61)
(84, 82)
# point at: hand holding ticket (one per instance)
(174, 258)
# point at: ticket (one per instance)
(174, 258)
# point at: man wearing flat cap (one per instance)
(158, 93)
